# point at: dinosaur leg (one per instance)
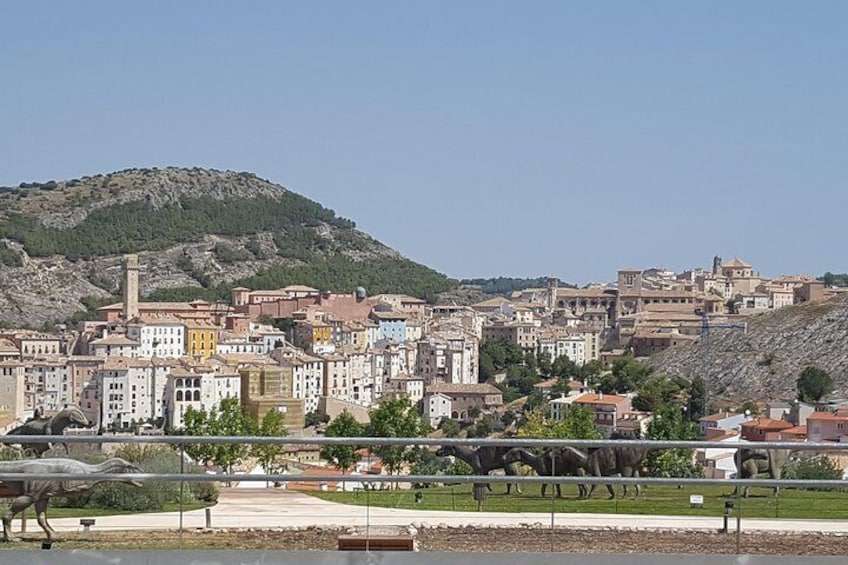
(638, 486)
(581, 489)
(18, 505)
(512, 469)
(41, 518)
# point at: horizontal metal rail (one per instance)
(424, 442)
(420, 479)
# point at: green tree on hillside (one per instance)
(814, 384)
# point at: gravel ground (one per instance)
(565, 540)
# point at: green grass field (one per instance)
(654, 500)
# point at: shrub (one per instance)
(152, 495)
(812, 469)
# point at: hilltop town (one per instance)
(312, 354)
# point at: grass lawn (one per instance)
(654, 500)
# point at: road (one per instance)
(272, 508)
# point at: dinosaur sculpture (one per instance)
(71, 416)
(483, 460)
(753, 462)
(557, 462)
(618, 460)
(39, 493)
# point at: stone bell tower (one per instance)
(130, 286)
(553, 282)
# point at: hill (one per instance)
(198, 233)
(765, 362)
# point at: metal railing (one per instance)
(182, 441)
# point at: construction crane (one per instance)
(706, 326)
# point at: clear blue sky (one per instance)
(480, 138)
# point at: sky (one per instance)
(479, 138)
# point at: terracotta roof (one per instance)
(592, 398)
(717, 417)
(389, 315)
(491, 302)
(822, 416)
(448, 389)
(299, 288)
(767, 423)
(115, 339)
(735, 263)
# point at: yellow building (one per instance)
(201, 338)
(266, 388)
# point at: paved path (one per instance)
(271, 508)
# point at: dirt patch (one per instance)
(507, 540)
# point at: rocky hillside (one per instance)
(198, 233)
(765, 362)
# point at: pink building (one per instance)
(827, 426)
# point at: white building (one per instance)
(307, 379)
(48, 385)
(438, 406)
(406, 385)
(200, 391)
(126, 391)
(448, 357)
(115, 345)
(336, 377)
(158, 336)
(240, 345)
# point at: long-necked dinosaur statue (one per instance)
(38, 492)
(71, 416)
(751, 462)
(556, 462)
(483, 460)
(619, 460)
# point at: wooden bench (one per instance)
(376, 543)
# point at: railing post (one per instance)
(182, 490)
(554, 490)
(738, 523)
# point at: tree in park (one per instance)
(230, 419)
(814, 384)
(395, 417)
(669, 424)
(268, 454)
(578, 422)
(343, 456)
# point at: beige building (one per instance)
(12, 389)
(523, 335)
(463, 398)
(265, 388)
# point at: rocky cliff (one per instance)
(765, 362)
(198, 232)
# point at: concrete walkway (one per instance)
(271, 508)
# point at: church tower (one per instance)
(552, 292)
(130, 286)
